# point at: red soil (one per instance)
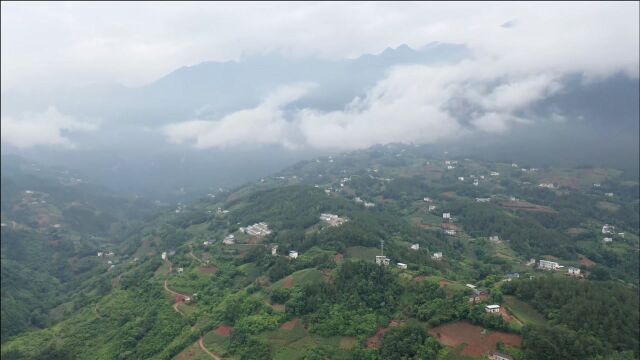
(338, 258)
(449, 226)
(586, 261)
(526, 206)
(444, 283)
(288, 282)
(208, 270)
(375, 341)
(477, 344)
(289, 325)
(224, 330)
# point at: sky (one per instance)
(520, 54)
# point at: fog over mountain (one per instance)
(499, 94)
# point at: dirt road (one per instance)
(213, 356)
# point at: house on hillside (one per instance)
(500, 356)
(607, 240)
(164, 256)
(483, 200)
(450, 167)
(293, 254)
(492, 309)
(494, 238)
(450, 232)
(100, 253)
(494, 173)
(415, 247)
(573, 271)
(608, 229)
(446, 216)
(382, 260)
(478, 296)
(432, 207)
(274, 250)
(402, 266)
(229, 239)
(428, 200)
(437, 256)
(460, 178)
(180, 270)
(609, 194)
(512, 276)
(548, 265)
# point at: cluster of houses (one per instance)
(229, 239)
(553, 266)
(333, 220)
(366, 204)
(259, 229)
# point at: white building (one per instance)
(207, 242)
(596, 185)
(229, 240)
(164, 256)
(415, 247)
(500, 356)
(259, 229)
(607, 240)
(180, 270)
(100, 253)
(492, 308)
(609, 194)
(494, 173)
(369, 204)
(450, 167)
(402, 266)
(483, 200)
(608, 229)
(514, 165)
(547, 185)
(293, 254)
(427, 199)
(382, 260)
(333, 220)
(432, 207)
(475, 182)
(446, 216)
(437, 256)
(274, 250)
(450, 232)
(494, 238)
(358, 200)
(460, 178)
(548, 265)
(573, 271)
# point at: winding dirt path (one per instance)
(213, 356)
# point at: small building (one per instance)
(478, 296)
(427, 199)
(608, 240)
(609, 194)
(164, 256)
(450, 232)
(483, 200)
(621, 234)
(608, 229)
(229, 239)
(492, 308)
(460, 178)
(415, 247)
(548, 265)
(432, 207)
(208, 242)
(475, 182)
(512, 276)
(514, 165)
(450, 167)
(500, 356)
(293, 254)
(100, 253)
(369, 204)
(531, 262)
(437, 256)
(573, 271)
(596, 185)
(382, 260)
(494, 238)
(494, 173)
(274, 250)
(446, 216)
(109, 262)
(402, 266)
(547, 185)
(180, 270)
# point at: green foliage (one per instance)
(408, 342)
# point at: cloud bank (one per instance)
(49, 127)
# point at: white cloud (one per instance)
(43, 128)
(263, 125)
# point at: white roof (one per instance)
(493, 306)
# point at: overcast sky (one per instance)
(135, 43)
(526, 48)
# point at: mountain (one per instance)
(320, 293)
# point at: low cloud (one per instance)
(49, 127)
(412, 104)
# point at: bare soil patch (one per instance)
(338, 258)
(224, 330)
(444, 283)
(289, 325)
(375, 341)
(208, 270)
(526, 206)
(586, 261)
(288, 282)
(478, 340)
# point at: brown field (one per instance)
(288, 282)
(208, 270)
(444, 283)
(224, 330)
(477, 344)
(449, 226)
(586, 261)
(289, 325)
(338, 258)
(526, 206)
(375, 341)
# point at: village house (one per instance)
(382, 260)
(437, 256)
(100, 253)
(461, 178)
(573, 271)
(415, 247)
(492, 309)
(609, 194)
(164, 256)
(333, 220)
(607, 240)
(494, 238)
(548, 265)
(450, 232)
(109, 262)
(358, 200)
(274, 250)
(483, 200)
(547, 185)
(608, 229)
(597, 185)
(494, 173)
(500, 356)
(621, 234)
(369, 204)
(427, 200)
(446, 216)
(478, 295)
(475, 182)
(180, 270)
(229, 239)
(450, 167)
(259, 229)
(402, 266)
(512, 276)
(293, 254)
(208, 242)
(432, 207)
(514, 165)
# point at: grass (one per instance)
(305, 276)
(292, 344)
(362, 253)
(523, 311)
